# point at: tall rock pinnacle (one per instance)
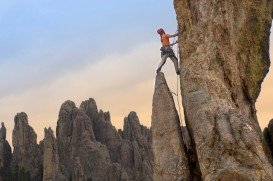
(26, 154)
(5, 149)
(137, 146)
(224, 53)
(51, 163)
(3, 131)
(170, 158)
(130, 150)
(81, 156)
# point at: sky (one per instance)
(52, 51)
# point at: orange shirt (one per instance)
(165, 40)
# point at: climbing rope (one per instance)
(177, 89)
(178, 102)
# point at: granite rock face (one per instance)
(130, 150)
(87, 147)
(116, 173)
(104, 131)
(171, 161)
(79, 152)
(268, 140)
(191, 155)
(26, 154)
(224, 58)
(136, 154)
(51, 161)
(3, 131)
(5, 149)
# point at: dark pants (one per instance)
(167, 52)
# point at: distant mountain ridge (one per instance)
(87, 147)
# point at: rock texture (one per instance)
(26, 154)
(104, 131)
(171, 162)
(116, 173)
(89, 146)
(78, 149)
(224, 59)
(51, 162)
(5, 149)
(268, 140)
(191, 155)
(130, 150)
(136, 154)
(3, 131)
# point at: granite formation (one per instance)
(26, 154)
(5, 149)
(87, 147)
(51, 161)
(170, 155)
(224, 58)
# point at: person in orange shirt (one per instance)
(167, 51)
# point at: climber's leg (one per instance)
(163, 61)
(175, 62)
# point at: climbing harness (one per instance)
(167, 50)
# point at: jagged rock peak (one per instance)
(78, 149)
(132, 117)
(76, 153)
(268, 140)
(106, 116)
(68, 107)
(133, 130)
(90, 108)
(136, 152)
(3, 131)
(21, 118)
(131, 158)
(5, 149)
(51, 163)
(26, 153)
(48, 132)
(170, 158)
(70, 120)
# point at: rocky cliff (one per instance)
(87, 147)
(51, 160)
(268, 140)
(5, 149)
(224, 58)
(26, 154)
(5, 153)
(170, 155)
(77, 146)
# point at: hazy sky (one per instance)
(53, 51)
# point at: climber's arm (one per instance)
(172, 36)
(174, 43)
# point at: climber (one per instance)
(167, 51)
